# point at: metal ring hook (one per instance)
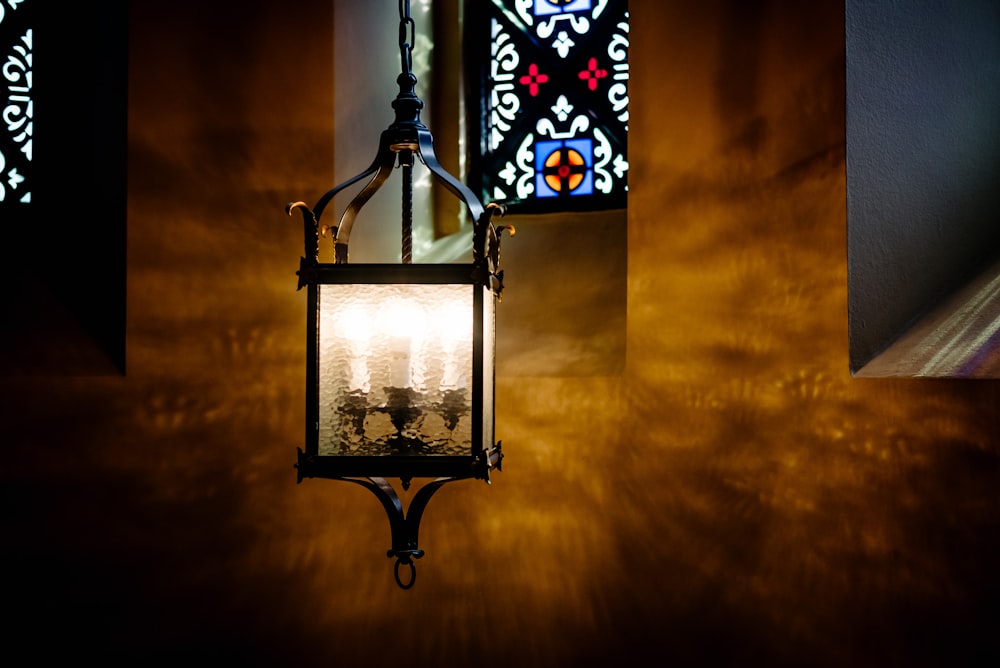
(413, 572)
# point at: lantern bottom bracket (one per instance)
(405, 524)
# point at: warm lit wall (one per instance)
(733, 497)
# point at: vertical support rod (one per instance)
(406, 159)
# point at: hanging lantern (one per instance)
(400, 357)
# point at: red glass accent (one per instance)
(533, 78)
(592, 74)
(564, 170)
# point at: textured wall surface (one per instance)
(923, 159)
(732, 497)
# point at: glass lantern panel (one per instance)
(489, 365)
(395, 369)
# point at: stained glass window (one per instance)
(550, 83)
(17, 105)
(63, 114)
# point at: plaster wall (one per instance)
(731, 496)
(923, 160)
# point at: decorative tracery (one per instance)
(554, 100)
(17, 105)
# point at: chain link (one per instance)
(407, 37)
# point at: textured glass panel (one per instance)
(489, 365)
(395, 369)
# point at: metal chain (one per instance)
(407, 29)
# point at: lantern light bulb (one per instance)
(354, 324)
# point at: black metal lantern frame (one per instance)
(408, 395)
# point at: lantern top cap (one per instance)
(405, 137)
